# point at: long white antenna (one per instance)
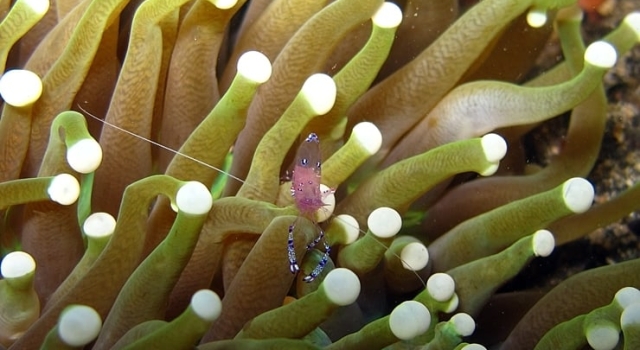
(162, 146)
(222, 171)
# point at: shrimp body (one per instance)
(305, 189)
(305, 182)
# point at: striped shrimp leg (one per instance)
(305, 189)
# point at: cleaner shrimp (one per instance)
(306, 190)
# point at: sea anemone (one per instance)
(147, 148)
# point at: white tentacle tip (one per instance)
(20, 87)
(627, 296)
(630, 316)
(490, 169)
(473, 346)
(441, 286)
(452, 304)
(603, 336)
(350, 227)
(329, 200)
(99, 225)
(409, 320)
(577, 194)
(64, 189)
(463, 324)
(79, 325)
(543, 243)
(415, 256)
(633, 20)
(17, 264)
(320, 92)
(369, 136)
(388, 15)
(254, 66)
(224, 4)
(494, 147)
(206, 304)
(85, 156)
(384, 222)
(601, 54)
(194, 198)
(341, 286)
(536, 18)
(39, 7)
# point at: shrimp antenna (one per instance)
(158, 144)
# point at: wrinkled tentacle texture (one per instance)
(118, 214)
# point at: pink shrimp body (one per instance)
(305, 182)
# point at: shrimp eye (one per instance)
(304, 161)
(318, 165)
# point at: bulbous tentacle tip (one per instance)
(320, 92)
(17, 264)
(494, 147)
(341, 286)
(452, 304)
(633, 21)
(601, 54)
(627, 296)
(85, 156)
(351, 227)
(603, 336)
(194, 198)
(441, 286)
(39, 7)
(384, 222)
(79, 325)
(463, 324)
(415, 256)
(99, 225)
(64, 189)
(206, 304)
(630, 316)
(536, 17)
(255, 66)
(490, 170)
(409, 320)
(388, 15)
(578, 194)
(369, 136)
(543, 243)
(329, 199)
(224, 4)
(20, 87)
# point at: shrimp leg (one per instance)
(318, 269)
(293, 261)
